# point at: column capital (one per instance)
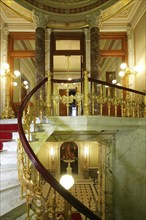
(129, 32)
(6, 31)
(40, 19)
(95, 20)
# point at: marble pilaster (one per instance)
(130, 174)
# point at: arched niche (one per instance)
(69, 154)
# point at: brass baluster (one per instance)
(92, 98)
(138, 107)
(108, 101)
(127, 104)
(101, 99)
(133, 105)
(121, 103)
(115, 101)
(144, 101)
(86, 91)
(49, 90)
(78, 98)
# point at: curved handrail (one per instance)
(42, 170)
(115, 86)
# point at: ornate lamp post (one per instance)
(8, 111)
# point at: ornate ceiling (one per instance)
(70, 14)
(67, 7)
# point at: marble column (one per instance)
(87, 43)
(40, 21)
(94, 24)
(48, 39)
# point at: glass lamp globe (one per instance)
(15, 84)
(67, 181)
(6, 66)
(123, 66)
(17, 73)
(136, 69)
(121, 74)
(114, 81)
(25, 82)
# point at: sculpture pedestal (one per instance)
(69, 169)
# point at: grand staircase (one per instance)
(14, 208)
(10, 193)
(33, 174)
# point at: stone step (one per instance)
(8, 157)
(10, 146)
(8, 176)
(11, 198)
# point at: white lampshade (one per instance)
(114, 81)
(67, 181)
(25, 82)
(123, 66)
(121, 73)
(17, 73)
(6, 66)
(136, 69)
(15, 84)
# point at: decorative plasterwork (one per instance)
(66, 7)
(115, 16)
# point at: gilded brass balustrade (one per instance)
(110, 101)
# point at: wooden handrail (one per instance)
(115, 86)
(41, 169)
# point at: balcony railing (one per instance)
(79, 97)
(93, 97)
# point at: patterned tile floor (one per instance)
(85, 193)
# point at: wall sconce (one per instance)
(86, 153)
(125, 70)
(52, 158)
(24, 84)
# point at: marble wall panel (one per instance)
(130, 175)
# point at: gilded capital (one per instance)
(40, 19)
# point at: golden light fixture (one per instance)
(25, 84)
(125, 70)
(8, 111)
(52, 154)
(7, 74)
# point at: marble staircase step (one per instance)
(9, 184)
(10, 198)
(8, 157)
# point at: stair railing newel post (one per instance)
(86, 91)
